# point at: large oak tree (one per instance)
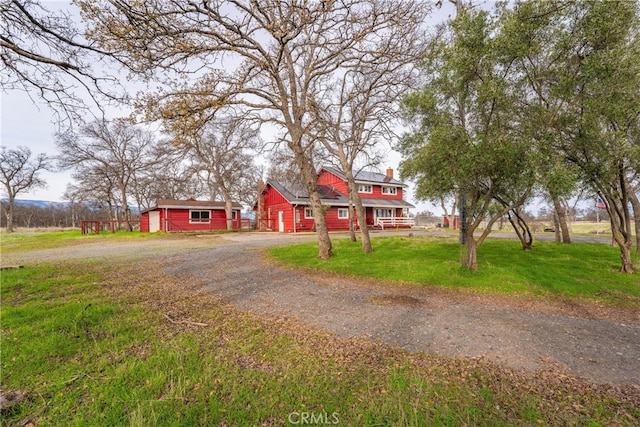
(43, 52)
(273, 57)
(468, 138)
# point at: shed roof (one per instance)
(190, 204)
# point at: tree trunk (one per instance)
(324, 240)
(635, 203)
(450, 217)
(521, 228)
(360, 212)
(352, 225)
(621, 230)
(562, 219)
(10, 215)
(556, 227)
(228, 212)
(308, 173)
(625, 257)
(470, 260)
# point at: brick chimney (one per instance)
(390, 173)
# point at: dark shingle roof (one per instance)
(297, 193)
(365, 177)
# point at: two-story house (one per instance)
(285, 207)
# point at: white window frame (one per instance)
(390, 190)
(308, 213)
(365, 188)
(199, 220)
(384, 213)
(343, 213)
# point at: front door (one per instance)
(281, 221)
(154, 221)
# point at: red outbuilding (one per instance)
(188, 215)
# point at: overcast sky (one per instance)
(24, 123)
(28, 122)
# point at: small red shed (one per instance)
(188, 215)
(456, 222)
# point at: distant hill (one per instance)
(42, 204)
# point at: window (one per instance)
(389, 190)
(199, 216)
(384, 213)
(343, 213)
(297, 215)
(308, 213)
(365, 188)
(234, 214)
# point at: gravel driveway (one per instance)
(414, 318)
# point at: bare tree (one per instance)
(282, 166)
(109, 156)
(172, 178)
(270, 56)
(354, 119)
(20, 173)
(224, 154)
(44, 53)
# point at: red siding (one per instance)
(274, 202)
(173, 220)
(333, 222)
(377, 194)
(327, 178)
(144, 222)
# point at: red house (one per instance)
(187, 215)
(286, 207)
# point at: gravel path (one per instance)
(414, 318)
(599, 350)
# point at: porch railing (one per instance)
(395, 222)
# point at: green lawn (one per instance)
(32, 240)
(90, 343)
(578, 269)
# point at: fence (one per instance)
(394, 222)
(95, 226)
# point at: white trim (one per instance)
(365, 191)
(199, 220)
(397, 221)
(305, 213)
(343, 211)
(394, 190)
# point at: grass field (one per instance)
(44, 239)
(95, 344)
(578, 269)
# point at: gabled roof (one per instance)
(298, 193)
(190, 204)
(364, 177)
